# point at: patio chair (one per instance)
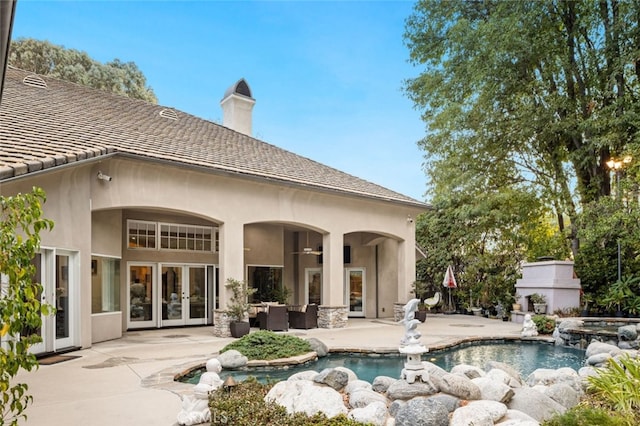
(274, 318)
(306, 317)
(431, 302)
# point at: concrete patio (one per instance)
(128, 381)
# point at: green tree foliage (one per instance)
(45, 58)
(484, 235)
(601, 226)
(21, 222)
(526, 92)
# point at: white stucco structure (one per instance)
(555, 280)
(183, 205)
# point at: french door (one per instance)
(355, 286)
(168, 294)
(184, 295)
(313, 285)
(57, 271)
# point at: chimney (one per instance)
(237, 105)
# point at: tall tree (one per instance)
(45, 58)
(537, 93)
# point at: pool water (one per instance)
(523, 356)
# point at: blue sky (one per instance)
(327, 76)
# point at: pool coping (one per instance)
(166, 379)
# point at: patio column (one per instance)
(231, 261)
(406, 269)
(333, 313)
(231, 257)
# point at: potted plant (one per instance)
(419, 289)
(586, 300)
(618, 293)
(514, 299)
(539, 303)
(238, 307)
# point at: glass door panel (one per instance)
(197, 299)
(355, 278)
(62, 297)
(313, 285)
(173, 294)
(141, 296)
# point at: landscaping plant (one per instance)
(21, 222)
(268, 345)
(544, 324)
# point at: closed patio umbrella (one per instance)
(449, 282)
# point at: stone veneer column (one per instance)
(398, 311)
(221, 323)
(332, 316)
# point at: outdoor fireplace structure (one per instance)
(555, 280)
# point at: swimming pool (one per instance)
(523, 356)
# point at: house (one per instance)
(155, 209)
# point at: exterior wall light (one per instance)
(104, 177)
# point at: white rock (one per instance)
(375, 413)
(493, 390)
(465, 416)
(362, 397)
(303, 396)
(495, 409)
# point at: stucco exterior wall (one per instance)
(90, 216)
(234, 202)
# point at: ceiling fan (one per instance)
(307, 249)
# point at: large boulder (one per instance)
(456, 385)
(332, 377)
(512, 372)
(501, 376)
(318, 347)
(232, 359)
(478, 413)
(422, 412)
(382, 383)
(449, 401)
(599, 360)
(303, 375)
(627, 333)
(470, 371)
(534, 404)
(400, 389)
(546, 377)
(518, 418)
(375, 414)
(465, 416)
(493, 390)
(596, 347)
(563, 394)
(362, 397)
(304, 396)
(356, 385)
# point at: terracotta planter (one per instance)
(516, 307)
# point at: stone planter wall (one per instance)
(332, 316)
(221, 324)
(398, 312)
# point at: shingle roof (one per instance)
(45, 127)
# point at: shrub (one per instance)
(585, 416)
(244, 405)
(544, 324)
(268, 345)
(618, 385)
